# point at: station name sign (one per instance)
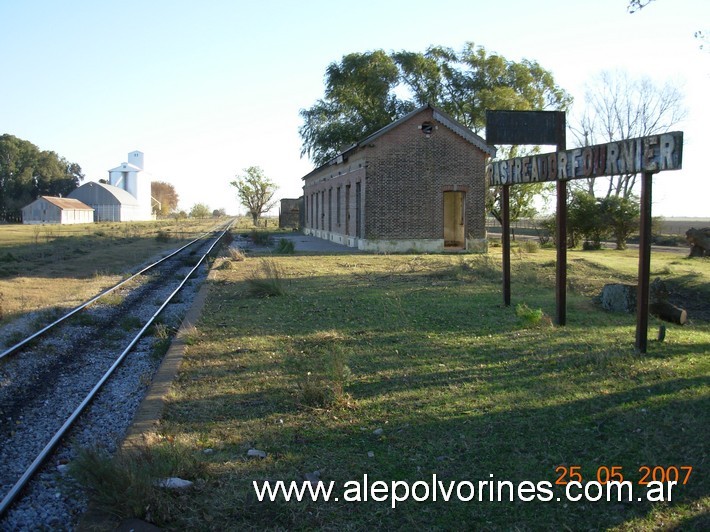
(654, 153)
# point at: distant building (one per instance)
(110, 203)
(126, 197)
(290, 213)
(51, 210)
(417, 184)
(132, 177)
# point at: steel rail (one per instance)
(81, 307)
(44, 454)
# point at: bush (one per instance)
(530, 246)
(598, 219)
(621, 217)
(285, 246)
(126, 485)
(260, 238)
(320, 366)
(236, 254)
(529, 317)
(585, 220)
(266, 280)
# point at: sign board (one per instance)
(524, 127)
(644, 154)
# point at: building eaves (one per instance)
(466, 133)
(126, 167)
(439, 116)
(67, 203)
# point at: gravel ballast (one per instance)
(40, 387)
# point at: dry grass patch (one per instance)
(64, 265)
(266, 279)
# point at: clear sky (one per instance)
(206, 88)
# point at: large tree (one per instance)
(200, 210)
(165, 196)
(359, 100)
(619, 107)
(255, 191)
(366, 91)
(27, 172)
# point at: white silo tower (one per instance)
(132, 178)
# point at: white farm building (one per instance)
(111, 204)
(126, 198)
(51, 210)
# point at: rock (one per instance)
(256, 453)
(63, 468)
(370, 454)
(618, 297)
(207, 451)
(699, 240)
(174, 483)
(378, 432)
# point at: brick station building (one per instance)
(417, 184)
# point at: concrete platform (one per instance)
(311, 244)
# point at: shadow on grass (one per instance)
(460, 389)
(524, 443)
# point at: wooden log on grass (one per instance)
(669, 312)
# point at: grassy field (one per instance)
(47, 266)
(401, 367)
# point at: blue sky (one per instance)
(208, 88)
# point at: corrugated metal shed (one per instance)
(53, 210)
(67, 203)
(111, 204)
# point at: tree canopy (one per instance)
(200, 210)
(27, 172)
(166, 196)
(365, 92)
(255, 191)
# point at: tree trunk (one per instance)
(668, 312)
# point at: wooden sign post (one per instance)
(647, 155)
(532, 127)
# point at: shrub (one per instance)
(322, 371)
(483, 267)
(266, 280)
(126, 485)
(236, 254)
(285, 246)
(260, 238)
(530, 246)
(529, 317)
(162, 236)
(585, 219)
(621, 216)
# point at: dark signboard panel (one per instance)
(524, 127)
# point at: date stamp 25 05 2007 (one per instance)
(604, 474)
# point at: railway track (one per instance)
(70, 385)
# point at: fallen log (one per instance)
(669, 312)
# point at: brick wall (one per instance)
(407, 174)
(402, 176)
